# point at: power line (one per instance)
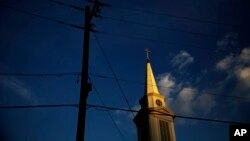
(111, 34)
(176, 16)
(41, 17)
(110, 77)
(119, 109)
(147, 25)
(111, 117)
(140, 23)
(161, 14)
(41, 74)
(154, 40)
(113, 72)
(67, 5)
(172, 87)
(177, 116)
(39, 106)
(195, 46)
(164, 28)
(142, 38)
(154, 26)
(107, 33)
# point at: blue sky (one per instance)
(191, 69)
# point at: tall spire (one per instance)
(152, 126)
(150, 84)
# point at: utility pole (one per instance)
(85, 86)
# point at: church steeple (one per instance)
(154, 121)
(150, 86)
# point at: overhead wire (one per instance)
(58, 74)
(106, 33)
(206, 50)
(165, 28)
(113, 72)
(113, 34)
(120, 109)
(26, 12)
(176, 16)
(103, 103)
(173, 87)
(110, 77)
(154, 40)
(140, 23)
(175, 116)
(39, 106)
(147, 25)
(67, 5)
(75, 73)
(41, 16)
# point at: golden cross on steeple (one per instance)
(147, 53)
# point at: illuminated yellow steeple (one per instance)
(151, 91)
(154, 121)
(151, 87)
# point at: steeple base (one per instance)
(155, 124)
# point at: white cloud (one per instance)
(245, 55)
(17, 87)
(191, 101)
(182, 60)
(243, 75)
(166, 83)
(184, 101)
(238, 66)
(225, 63)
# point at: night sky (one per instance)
(200, 56)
